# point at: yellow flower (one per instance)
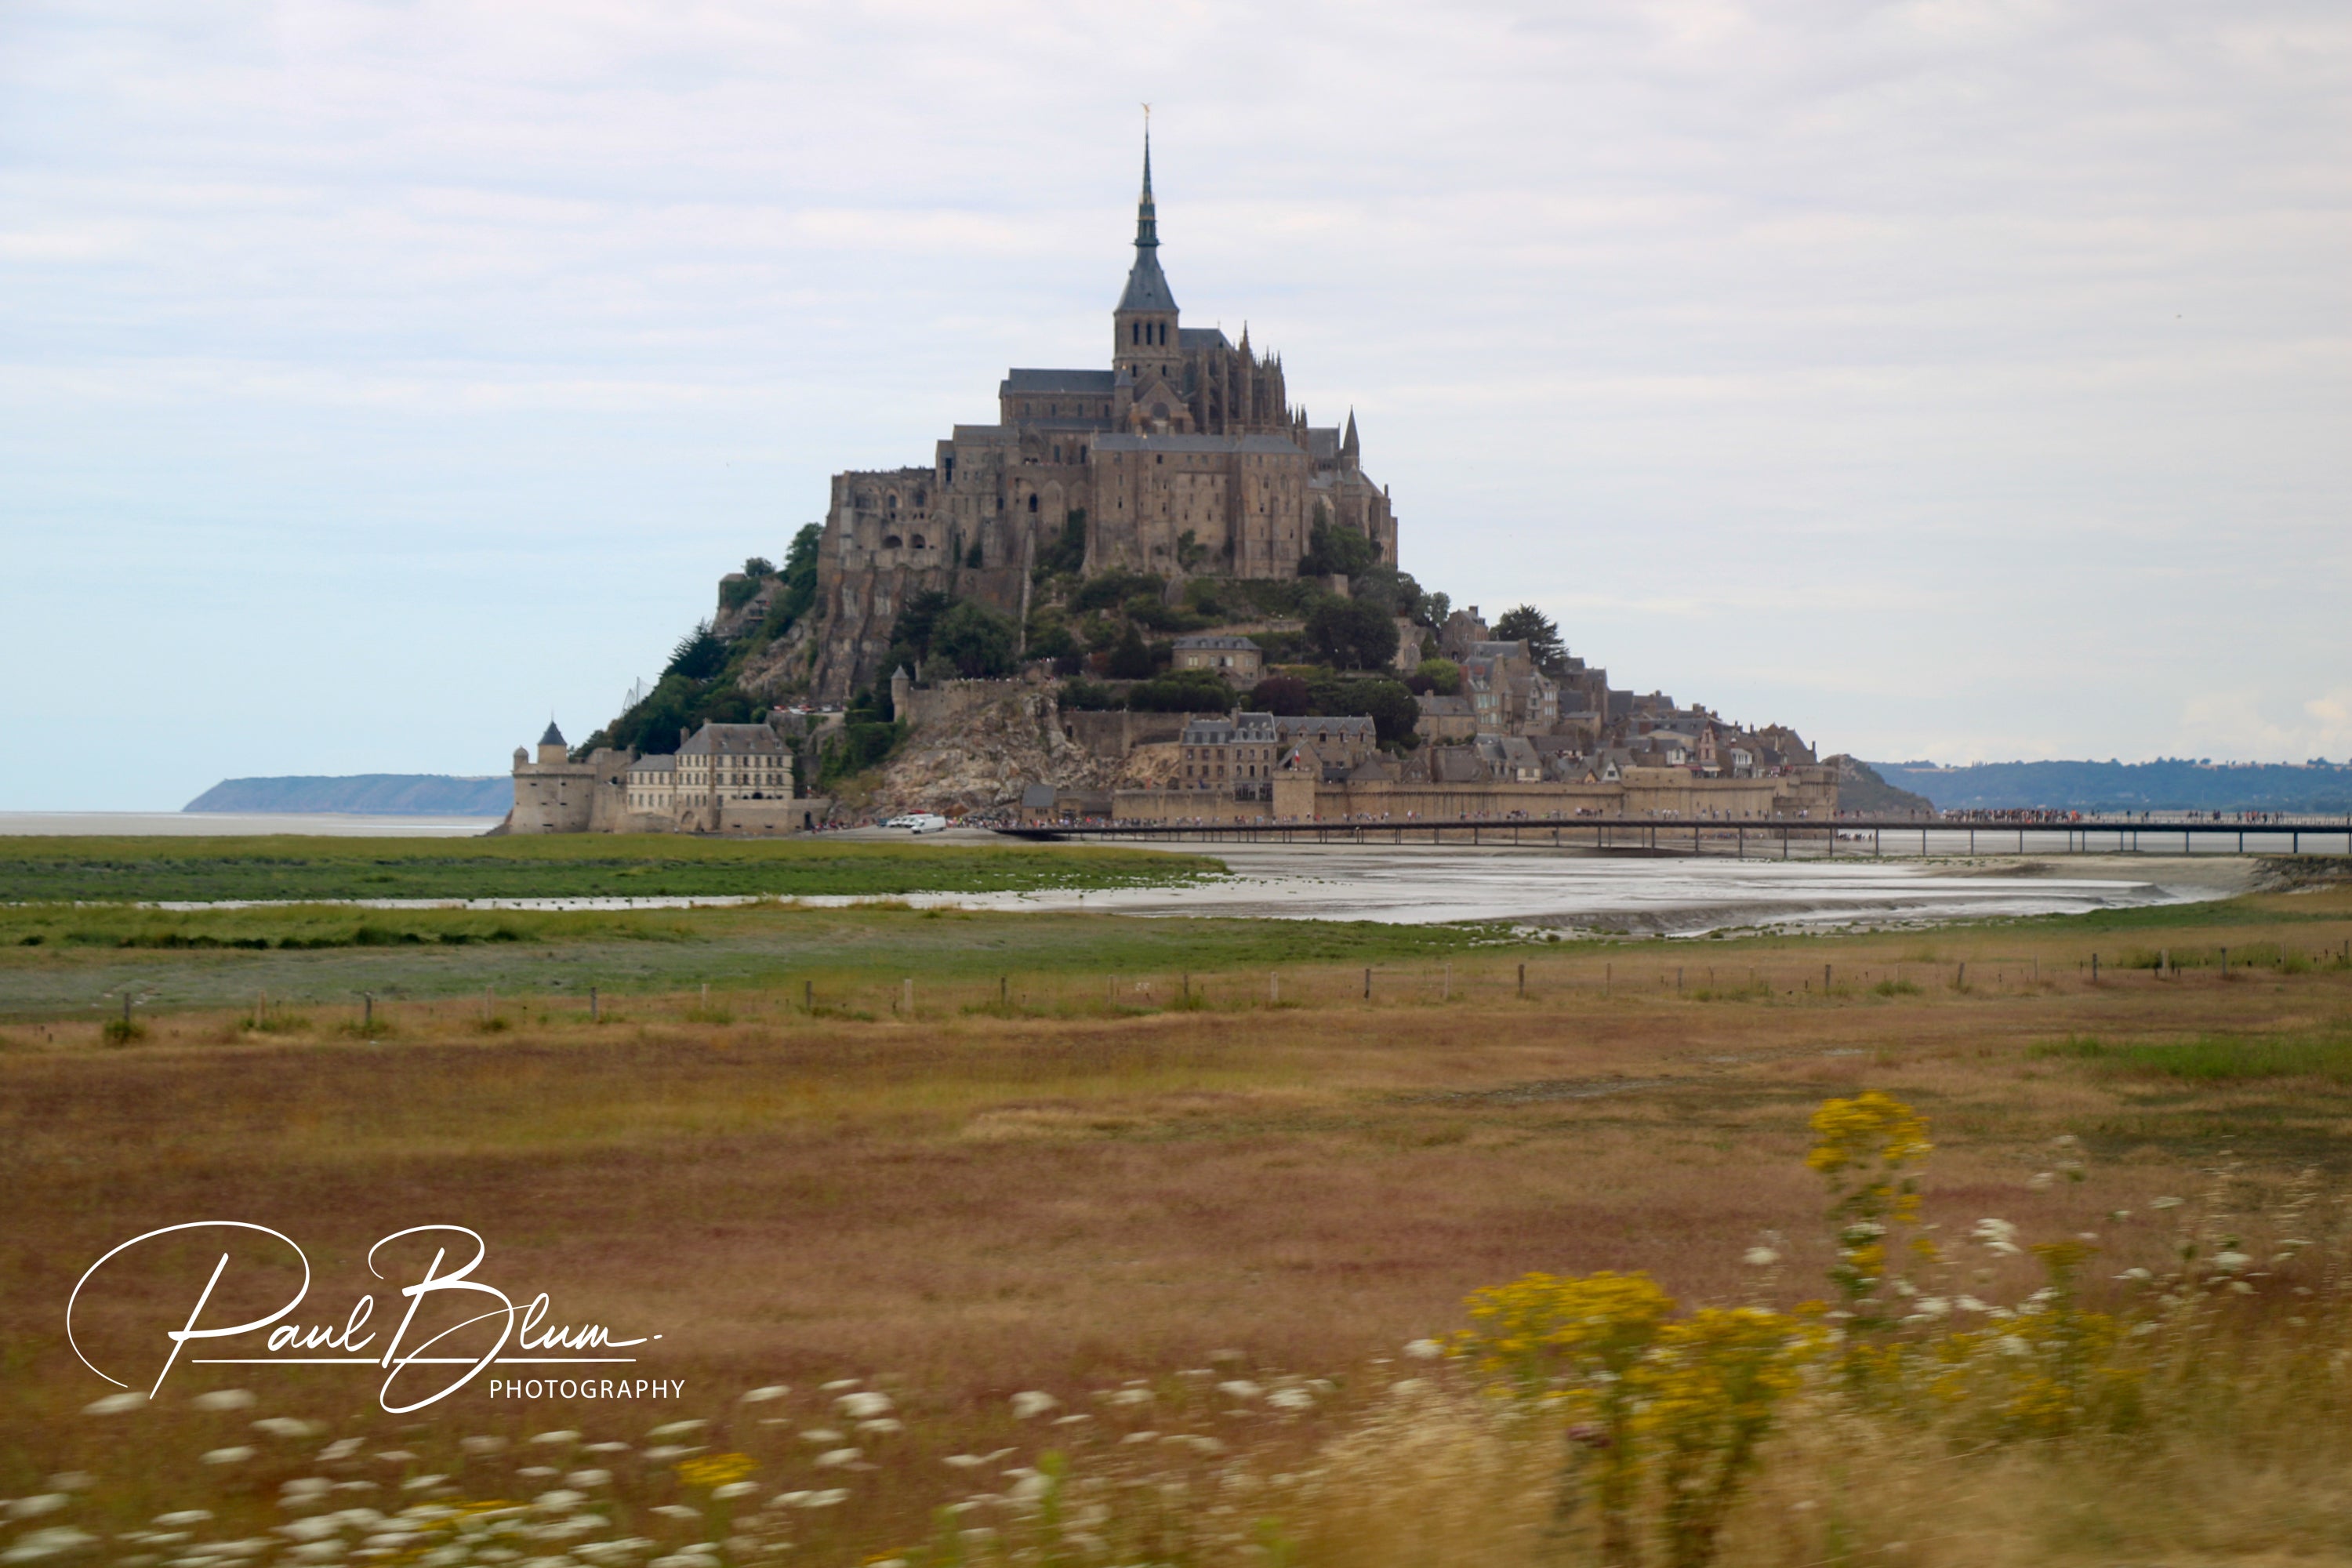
(715, 1470)
(1871, 1126)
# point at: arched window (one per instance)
(1032, 503)
(891, 541)
(918, 542)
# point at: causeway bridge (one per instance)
(1773, 838)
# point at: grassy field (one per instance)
(171, 870)
(1158, 1187)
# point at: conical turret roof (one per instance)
(1147, 287)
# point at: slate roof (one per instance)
(1147, 286)
(1098, 382)
(1217, 641)
(1257, 443)
(750, 738)
(1202, 338)
(555, 737)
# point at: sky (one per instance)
(1951, 381)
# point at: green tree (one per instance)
(1131, 661)
(1352, 634)
(1443, 676)
(1066, 552)
(1182, 692)
(1524, 623)
(698, 656)
(975, 639)
(1335, 547)
(1283, 696)
(1392, 708)
(1082, 695)
(799, 590)
(1049, 634)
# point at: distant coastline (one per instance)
(362, 794)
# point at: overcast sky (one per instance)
(1964, 381)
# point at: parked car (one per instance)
(925, 822)
(905, 820)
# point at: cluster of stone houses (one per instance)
(1511, 722)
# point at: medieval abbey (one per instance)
(1186, 455)
(1148, 495)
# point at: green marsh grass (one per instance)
(294, 868)
(2218, 1058)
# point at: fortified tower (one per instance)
(1185, 457)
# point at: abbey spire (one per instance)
(1143, 328)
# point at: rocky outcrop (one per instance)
(984, 756)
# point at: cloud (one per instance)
(1961, 356)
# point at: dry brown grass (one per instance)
(960, 1205)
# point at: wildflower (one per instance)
(1424, 1350)
(1968, 1304)
(677, 1429)
(588, 1479)
(1760, 1258)
(2165, 1203)
(1033, 1401)
(286, 1426)
(1871, 1126)
(1290, 1399)
(1240, 1388)
(1125, 1397)
(963, 1461)
(2040, 1180)
(839, 1383)
(34, 1507)
(565, 1436)
(303, 1489)
(183, 1518)
(864, 1405)
(716, 1470)
(734, 1489)
(115, 1404)
(224, 1399)
(831, 1457)
(677, 1511)
(1998, 1237)
(558, 1501)
(820, 1434)
(482, 1445)
(227, 1456)
(397, 1456)
(2230, 1262)
(882, 1424)
(825, 1499)
(762, 1395)
(55, 1541)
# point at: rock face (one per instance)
(980, 754)
(985, 756)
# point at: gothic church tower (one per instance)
(1144, 339)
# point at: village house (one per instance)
(1237, 659)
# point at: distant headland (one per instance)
(364, 794)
